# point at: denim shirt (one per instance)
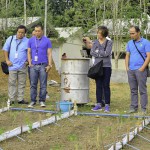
(100, 54)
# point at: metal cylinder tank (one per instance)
(74, 80)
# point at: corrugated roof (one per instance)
(119, 26)
(67, 32)
(14, 22)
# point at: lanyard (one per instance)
(37, 44)
(18, 45)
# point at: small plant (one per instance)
(29, 123)
(14, 116)
(56, 147)
(72, 137)
(1, 131)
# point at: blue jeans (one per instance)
(38, 72)
(103, 85)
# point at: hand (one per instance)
(48, 68)
(86, 39)
(127, 68)
(141, 69)
(9, 63)
(88, 43)
(30, 65)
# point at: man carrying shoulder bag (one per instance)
(136, 61)
(16, 57)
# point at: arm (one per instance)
(98, 51)
(6, 49)
(127, 60)
(9, 63)
(108, 50)
(49, 55)
(88, 43)
(147, 60)
(29, 57)
(94, 50)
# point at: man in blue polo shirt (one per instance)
(136, 61)
(16, 57)
(40, 62)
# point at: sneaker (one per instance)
(97, 108)
(42, 104)
(132, 111)
(23, 102)
(107, 108)
(31, 104)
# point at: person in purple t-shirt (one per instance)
(40, 62)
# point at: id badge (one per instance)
(16, 55)
(36, 58)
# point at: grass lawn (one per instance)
(79, 133)
(83, 132)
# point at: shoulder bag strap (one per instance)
(105, 45)
(10, 45)
(138, 50)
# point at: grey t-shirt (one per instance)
(98, 52)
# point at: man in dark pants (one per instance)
(136, 61)
(40, 62)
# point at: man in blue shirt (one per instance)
(16, 57)
(40, 62)
(136, 61)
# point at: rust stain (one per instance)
(67, 89)
(65, 80)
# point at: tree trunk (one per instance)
(25, 13)
(45, 19)
(6, 15)
(116, 63)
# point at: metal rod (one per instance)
(111, 115)
(132, 147)
(146, 127)
(33, 110)
(108, 145)
(39, 129)
(143, 137)
(70, 120)
(20, 138)
(57, 124)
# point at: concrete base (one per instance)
(120, 76)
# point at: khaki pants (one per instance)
(16, 84)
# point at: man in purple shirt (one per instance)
(40, 62)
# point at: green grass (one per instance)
(84, 132)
